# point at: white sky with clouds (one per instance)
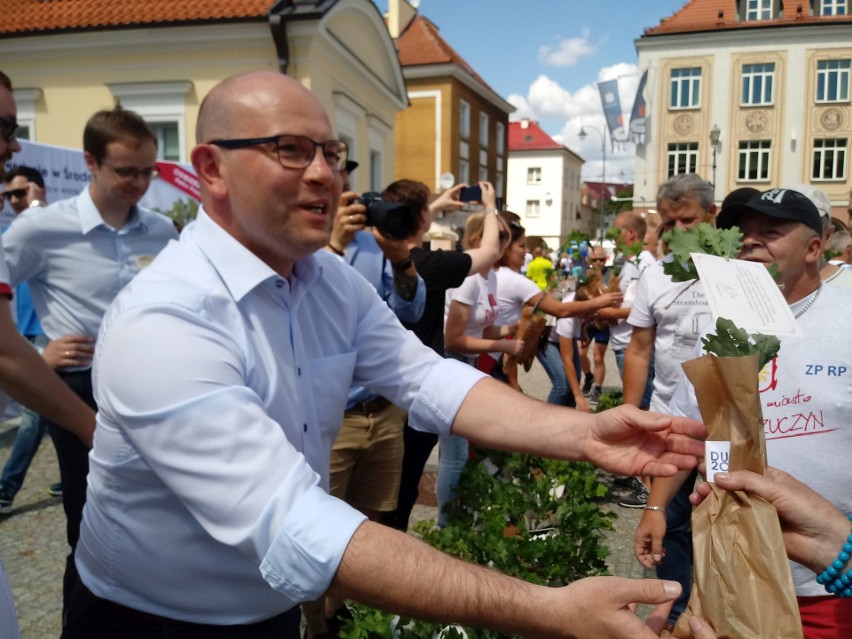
(546, 57)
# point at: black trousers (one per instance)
(90, 617)
(418, 447)
(73, 459)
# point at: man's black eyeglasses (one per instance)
(19, 193)
(9, 128)
(295, 151)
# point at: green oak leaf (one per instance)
(732, 341)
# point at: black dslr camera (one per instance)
(394, 220)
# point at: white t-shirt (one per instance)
(5, 289)
(619, 333)
(806, 399)
(842, 278)
(679, 311)
(481, 295)
(513, 292)
(568, 327)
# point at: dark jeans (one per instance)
(418, 447)
(73, 459)
(30, 433)
(90, 617)
(677, 562)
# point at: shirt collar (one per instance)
(90, 217)
(240, 269)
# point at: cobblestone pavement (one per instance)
(32, 538)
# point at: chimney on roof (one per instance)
(399, 16)
(525, 123)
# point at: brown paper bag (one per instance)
(741, 579)
(530, 327)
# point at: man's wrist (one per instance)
(402, 265)
(337, 251)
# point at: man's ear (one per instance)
(91, 161)
(814, 251)
(208, 166)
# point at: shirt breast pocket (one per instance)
(331, 378)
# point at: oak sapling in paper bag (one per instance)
(741, 579)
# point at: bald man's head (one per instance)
(236, 106)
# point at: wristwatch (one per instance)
(401, 266)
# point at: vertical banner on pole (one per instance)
(612, 110)
(638, 115)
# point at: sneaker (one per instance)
(55, 490)
(636, 498)
(6, 499)
(593, 396)
(587, 384)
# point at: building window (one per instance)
(758, 80)
(483, 129)
(464, 120)
(163, 106)
(499, 185)
(759, 9)
(832, 81)
(753, 164)
(533, 208)
(685, 88)
(830, 159)
(833, 7)
(683, 158)
(464, 172)
(534, 175)
(483, 173)
(501, 138)
(23, 132)
(168, 142)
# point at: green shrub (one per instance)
(528, 517)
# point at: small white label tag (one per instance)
(716, 456)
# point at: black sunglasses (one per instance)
(14, 193)
(10, 128)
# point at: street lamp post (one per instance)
(582, 136)
(715, 132)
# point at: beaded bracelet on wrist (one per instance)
(832, 578)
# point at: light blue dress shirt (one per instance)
(365, 255)
(75, 263)
(221, 388)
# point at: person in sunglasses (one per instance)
(23, 374)
(24, 189)
(77, 254)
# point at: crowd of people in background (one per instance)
(270, 385)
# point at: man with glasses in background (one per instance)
(77, 254)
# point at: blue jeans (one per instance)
(29, 436)
(551, 360)
(452, 457)
(677, 562)
(649, 385)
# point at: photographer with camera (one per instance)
(366, 459)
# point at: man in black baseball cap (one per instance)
(784, 204)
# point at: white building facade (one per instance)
(772, 86)
(543, 184)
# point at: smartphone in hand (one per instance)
(471, 194)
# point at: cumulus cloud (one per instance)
(563, 113)
(567, 51)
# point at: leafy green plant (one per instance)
(608, 400)
(732, 341)
(183, 212)
(702, 239)
(532, 518)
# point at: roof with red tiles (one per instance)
(22, 17)
(721, 15)
(421, 44)
(527, 135)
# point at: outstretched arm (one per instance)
(598, 607)
(25, 376)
